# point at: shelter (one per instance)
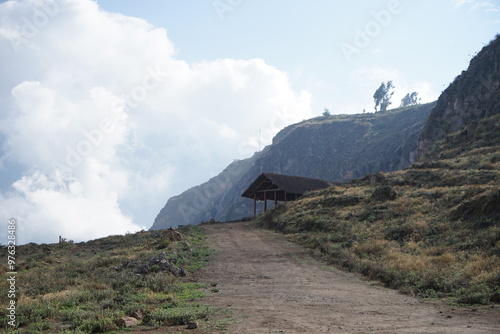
(279, 187)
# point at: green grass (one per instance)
(86, 287)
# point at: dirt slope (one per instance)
(274, 286)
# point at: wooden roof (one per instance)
(286, 187)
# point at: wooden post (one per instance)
(265, 201)
(275, 198)
(254, 204)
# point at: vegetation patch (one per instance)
(86, 287)
(432, 230)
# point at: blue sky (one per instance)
(110, 108)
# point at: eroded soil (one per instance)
(274, 286)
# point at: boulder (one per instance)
(192, 325)
(171, 235)
(138, 315)
(126, 322)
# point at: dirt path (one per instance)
(274, 286)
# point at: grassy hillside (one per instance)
(429, 230)
(86, 287)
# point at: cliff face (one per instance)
(340, 148)
(335, 148)
(213, 199)
(473, 96)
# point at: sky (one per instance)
(109, 108)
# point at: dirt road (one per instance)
(274, 286)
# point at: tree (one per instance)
(326, 112)
(410, 99)
(383, 96)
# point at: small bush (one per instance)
(399, 233)
(479, 294)
(178, 315)
(33, 312)
(371, 248)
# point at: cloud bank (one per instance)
(100, 123)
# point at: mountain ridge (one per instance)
(331, 148)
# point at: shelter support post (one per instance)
(254, 204)
(265, 201)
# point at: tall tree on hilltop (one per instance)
(383, 96)
(410, 99)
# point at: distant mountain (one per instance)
(334, 148)
(203, 202)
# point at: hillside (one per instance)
(335, 148)
(432, 229)
(88, 287)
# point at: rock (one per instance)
(192, 325)
(171, 235)
(178, 272)
(126, 322)
(142, 269)
(138, 315)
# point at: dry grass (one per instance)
(439, 237)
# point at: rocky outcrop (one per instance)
(473, 95)
(341, 148)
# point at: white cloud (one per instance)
(486, 6)
(107, 123)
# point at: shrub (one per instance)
(371, 248)
(479, 294)
(399, 233)
(178, 315)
